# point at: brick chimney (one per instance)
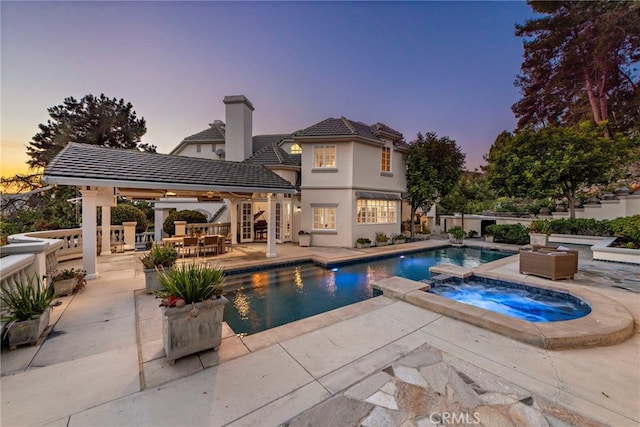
(238, 128)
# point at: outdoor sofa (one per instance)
(549, 262)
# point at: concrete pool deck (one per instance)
(101, 365)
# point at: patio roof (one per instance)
(85, 164)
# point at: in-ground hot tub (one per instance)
(607, 323)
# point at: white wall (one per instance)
(207, 150)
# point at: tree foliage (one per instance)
(191, 216)
(93, 120)
(579, 59)
(553, 161)
(434, 166)
(471, 194)
(129, 213)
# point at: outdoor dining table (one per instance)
(177, 242)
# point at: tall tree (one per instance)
(434, 166)
(92, 120)
(553, 161)
(579, 60)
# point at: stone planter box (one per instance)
(183, 334)
(363, 245)
(151, 281)
(603, 252)
(304, 239)
(388, 242)
(28, 331)
(488, 239)
(455, 241)
(64, 287)
(538, 239)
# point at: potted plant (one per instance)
(488, 235)
(539, 231)
(456, 234)
(29, 307)
(158, 258)
(304, 238)
(192, 309)
(363, 242)
(398, 239)
(68, 281)
(381, 239)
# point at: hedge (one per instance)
(192, 217)
(128, 213)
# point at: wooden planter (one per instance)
(28, 331)
(64, 287)
(184, 334)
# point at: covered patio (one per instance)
(103, 174)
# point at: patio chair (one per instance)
(189, 244)
(210, 244)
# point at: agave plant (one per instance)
(27, 301)
(190, 283)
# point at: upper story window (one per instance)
(324, 156)
(198, 148)
(296, 149)
(385, 164)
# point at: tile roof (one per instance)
(273, 155)
(97, 165)
(346, 127)
(261, 141)
(215, 132)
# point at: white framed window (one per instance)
(370, 211)
(198, 148)
(296, 149)
(324, 218)
(324, 156)
(385, 159)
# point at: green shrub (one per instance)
(190, 283)
(542, 226)
(381, 237)
(516, 234)
(456, 231)
(28, 301)
(192, 217)
(160, 256)
(628, 227)
(128, 213)
(581, 227)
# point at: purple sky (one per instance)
(446, 67)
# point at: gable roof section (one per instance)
(274, 155)
(346, 127)
(261, 141)
(337, 127)
(85, 164)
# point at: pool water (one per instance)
(272, 297)
(519, 301)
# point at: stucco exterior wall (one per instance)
(207, 150)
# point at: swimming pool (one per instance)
(272, 297)
(519, 301)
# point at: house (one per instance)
(350, 175)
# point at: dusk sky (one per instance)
(444, 67)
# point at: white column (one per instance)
(129, 235)
(271, 230)
(89, 227)
(233, 219)
(158, 221)
(106, 230)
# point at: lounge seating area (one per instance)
(550, 262)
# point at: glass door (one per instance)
(246, 222)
